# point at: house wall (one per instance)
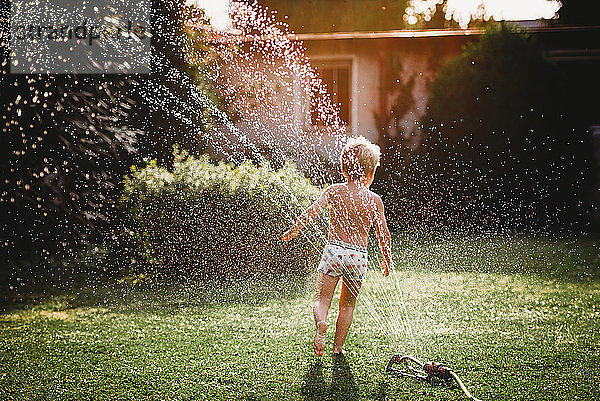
(574, 50)
(418, 56)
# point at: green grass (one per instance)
(516, 318)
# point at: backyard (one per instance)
(516, 318)
(173, 172)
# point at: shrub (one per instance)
(502, 143)
(202, 219)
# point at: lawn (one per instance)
(517, 318)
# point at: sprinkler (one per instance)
(427, 372)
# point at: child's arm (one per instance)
(313, 211)
(384, 236)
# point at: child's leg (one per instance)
(325, 287)
(348, 296)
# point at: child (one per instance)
(353, 209)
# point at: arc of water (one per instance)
(377, 309)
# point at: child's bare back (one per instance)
(353, 208)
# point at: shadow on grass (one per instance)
(382, 390)
(342, 387)
(314, 387)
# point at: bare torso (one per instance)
(352, 211)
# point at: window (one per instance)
(337, 76)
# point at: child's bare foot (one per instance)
(337, 350)
(319, 344)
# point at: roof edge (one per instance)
(426, 33)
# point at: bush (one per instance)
(502, 143)
(203, 219)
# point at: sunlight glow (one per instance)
(216, 10)
(462, 11)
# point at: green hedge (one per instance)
(203, 219)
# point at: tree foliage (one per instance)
(579, 12)
(67, 140)
(500, 142)
(66, 143)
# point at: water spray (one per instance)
(427, 372)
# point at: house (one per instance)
(380, 80)
(363, 69)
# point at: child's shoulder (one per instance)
(375, 196)
(335, 187)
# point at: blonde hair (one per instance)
(359, 158)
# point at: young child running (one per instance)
(353, 210)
